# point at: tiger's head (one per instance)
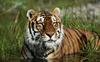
(45, 26)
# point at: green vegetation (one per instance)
(11, 35)
(13, 20)
(81, 24)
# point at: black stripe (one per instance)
(23, 53)
(77, 32)
(96, 34)
(71, 40)
(32, 53)
(33, 28)
(68, 42)
(30, 30)
(83, 38)
(97, 38)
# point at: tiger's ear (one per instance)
(30, 14)
(57, 12)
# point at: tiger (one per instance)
(47, 38)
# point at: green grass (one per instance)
(11, 35)
(80, 24)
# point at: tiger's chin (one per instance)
(53, 44)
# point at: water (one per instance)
(68, 58)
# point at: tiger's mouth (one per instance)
(51, 40)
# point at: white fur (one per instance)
(57, 11)
(53, 19)
(28, 13)
(59, 41)
(40, 18)
(29, 37)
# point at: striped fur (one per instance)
(47, 39)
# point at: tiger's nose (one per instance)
(50, 34)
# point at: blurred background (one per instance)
(81, 14)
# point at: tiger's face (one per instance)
(45, 27)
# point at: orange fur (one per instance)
(72, 42)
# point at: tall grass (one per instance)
(11, 35)
(70, 22)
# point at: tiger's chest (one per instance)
(40, 50)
